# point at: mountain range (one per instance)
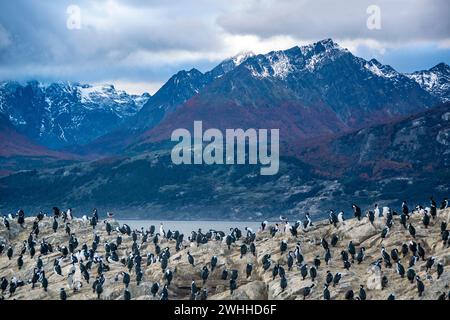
(350, 129)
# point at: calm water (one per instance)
(187, 226)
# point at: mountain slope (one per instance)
(405, 159)
(17, 152)
(435, 80)
(62, 114)
(310, 91)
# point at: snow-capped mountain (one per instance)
(61, 114)
(435, 80)
(308, 91)
(181, 87)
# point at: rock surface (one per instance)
(260, 285)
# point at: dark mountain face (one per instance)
(316, 90)
(405, 159)
(62, 114)
(179, 89)
(414, 146)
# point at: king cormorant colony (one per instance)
(378, 254)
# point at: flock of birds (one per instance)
(93, 266)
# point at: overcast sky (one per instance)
(139, 44)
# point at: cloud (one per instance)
(401, 20)
(137, 41)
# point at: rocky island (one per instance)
(398, 256)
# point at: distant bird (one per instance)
(283, 283)
(356, 212)
(334, 240)
(337, 278)
(6, 223)
(361, 255)
(352, 250)
(263, 225)
(249, 269)
(349, 295)
(164, 293)
(333, 218)
(426, 220)
(327, 256)
(384, 233)
(376, 211)
(306, 291)
(283, 246)
(317, 262)
(190, 259)
(403, 220)
(404, 249)
(411, 275)
(224, 275)
(233, 285)
(313, 273)
(304, 271)
(9, 253)
(384, 282)
(329, 278)
(405, 208)
(412, 230)
(391, 296)
(400, 269)
(429, 264)
(154, 289)
(204, 274)
(341, 217)
(362, 293)
(62, 294)
(420, 286)
(126, 295)
(243, 250)
(324, 243)
(439, 269)
(371, 216)
(444, 204)
(421, 251)
(326, 292)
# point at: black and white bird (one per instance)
(444, 204)
(400, 269)
(326, 292)
(333, 218)
(356, 212)
(439, 269)
(405, 209)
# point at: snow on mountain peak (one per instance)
(241, 57)
(281, 65)
(380, 70)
